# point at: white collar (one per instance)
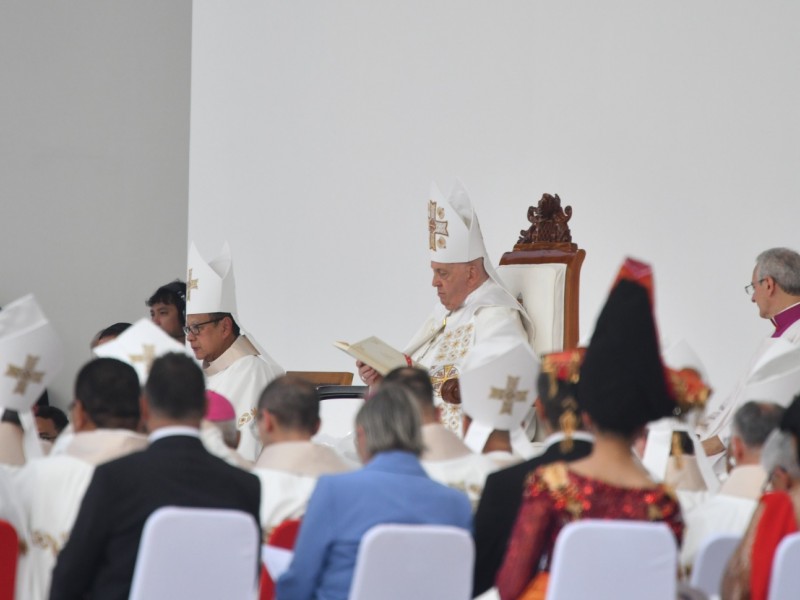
(163, 432)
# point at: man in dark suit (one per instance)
(175, 470)
(502, 495)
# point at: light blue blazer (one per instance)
(391, 488)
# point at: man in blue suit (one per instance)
(391, 488)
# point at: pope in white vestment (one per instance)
(474, 307)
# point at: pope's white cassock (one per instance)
(489, 312)
(288, 472)
(51, 490)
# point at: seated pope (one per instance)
(473, 306)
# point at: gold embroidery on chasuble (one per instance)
(46, 541)
(25, 375)
(454, 344)
(246, 417)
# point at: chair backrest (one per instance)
(543, 271)
(784, 581)
(324, 377)
(337, 413)
(198, 553)
(9, 554)
(712, 557)
(424, 562)
(624, 560)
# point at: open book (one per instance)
(377, 354)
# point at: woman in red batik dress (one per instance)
(622, 386)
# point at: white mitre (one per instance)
(210, 286)
(497, 383)
(139, 345)
(30, 356)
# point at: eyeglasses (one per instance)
(197, 327)
(751, 287)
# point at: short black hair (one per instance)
(293, 402)
(108, 390)
(55, 414)
(172, 293)
(417, 381)
(176, 388)
(554, 394)
(112, 330)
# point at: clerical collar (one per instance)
(785, 319)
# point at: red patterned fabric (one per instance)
(556, 496)
(777, 521)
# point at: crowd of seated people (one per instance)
(130, 447)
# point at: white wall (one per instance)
(671, 128)
(94, 133)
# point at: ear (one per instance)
(79, 417)
(737, 449)
(770, 285)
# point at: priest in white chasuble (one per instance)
(473, 308)
(233, 363)
(290, 464)
(774, 371)
(105, 419)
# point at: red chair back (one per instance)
(9, 554)
(283, 536)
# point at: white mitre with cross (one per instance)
(30, 356)
(454, 234)
(139, 345)
(498, 382)
(210, 286)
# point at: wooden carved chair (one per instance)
(543, 271)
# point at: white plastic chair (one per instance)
(619, 560)
(423, 562)
(712, 557)
(784, 581)
(198, 553)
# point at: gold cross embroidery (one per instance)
(436, 227)
(440, 375)
(25, 375)
(508, 395)
(191, 284)
(147, 356)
